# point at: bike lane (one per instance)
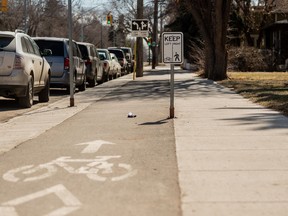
(99, 162)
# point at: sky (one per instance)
(94, 3)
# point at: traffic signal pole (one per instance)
(139, 42)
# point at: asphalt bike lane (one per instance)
(99, 161)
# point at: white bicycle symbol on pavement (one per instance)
(97, 169)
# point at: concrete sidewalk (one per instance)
(232, 154)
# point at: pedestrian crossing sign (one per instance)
(172, 47)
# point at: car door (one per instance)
(98, 64)
(44, 73)
(34, 61)
(79, 64)
(94, 60)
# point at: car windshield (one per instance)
(102, 55)
(118, 53)
(125, 50)
(84, 51)
(7, 43)
(55, 46)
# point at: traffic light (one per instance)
(149, 41)
(109, 19)
(3, 5)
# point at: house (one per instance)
(276, 34)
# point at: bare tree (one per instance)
(13, 18)
(251, 17)
(212, 19)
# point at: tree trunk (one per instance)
(212, 19)
(155, 36)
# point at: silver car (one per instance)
(59, 62)
(23, 71)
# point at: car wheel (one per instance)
(106, 76)
(110, 76)
(27, 100)
(92, 82)
(82, 87)
(115, 75)
(45, 93)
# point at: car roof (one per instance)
(51, 38)
(85, 43)
(13, 33)
(7, 33)
(105, 50)
(116, 49)
(119, 48)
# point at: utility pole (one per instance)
(139, 43)
(155, 36)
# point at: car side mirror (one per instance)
(101, 57)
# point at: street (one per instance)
(9, 108)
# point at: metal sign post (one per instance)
(172, 107)
(71, 75)
(172, 45)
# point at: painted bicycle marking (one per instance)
(70, 202)
(98, 169)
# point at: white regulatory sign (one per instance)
(172, 47)
(140, 27)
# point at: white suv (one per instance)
(23, 71)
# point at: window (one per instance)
(35, 47)
(24, 45)
(55, 46)
(7, 43)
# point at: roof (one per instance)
(281, 6)
(278, 24)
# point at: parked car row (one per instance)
(30, 66)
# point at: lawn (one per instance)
(268, 89)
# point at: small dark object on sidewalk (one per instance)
(131, 115)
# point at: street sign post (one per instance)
(140, 27)
(172, 52)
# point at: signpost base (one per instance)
(172, 112)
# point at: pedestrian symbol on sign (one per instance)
(177, 59)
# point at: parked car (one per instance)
(116, 65)
(94, 69)
(59, 62)
(107, 64)
(121, 58)
(23, 70)
(129, 57)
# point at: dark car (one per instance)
(94, 69)
(129, 57)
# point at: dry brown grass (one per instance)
(270, 89)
